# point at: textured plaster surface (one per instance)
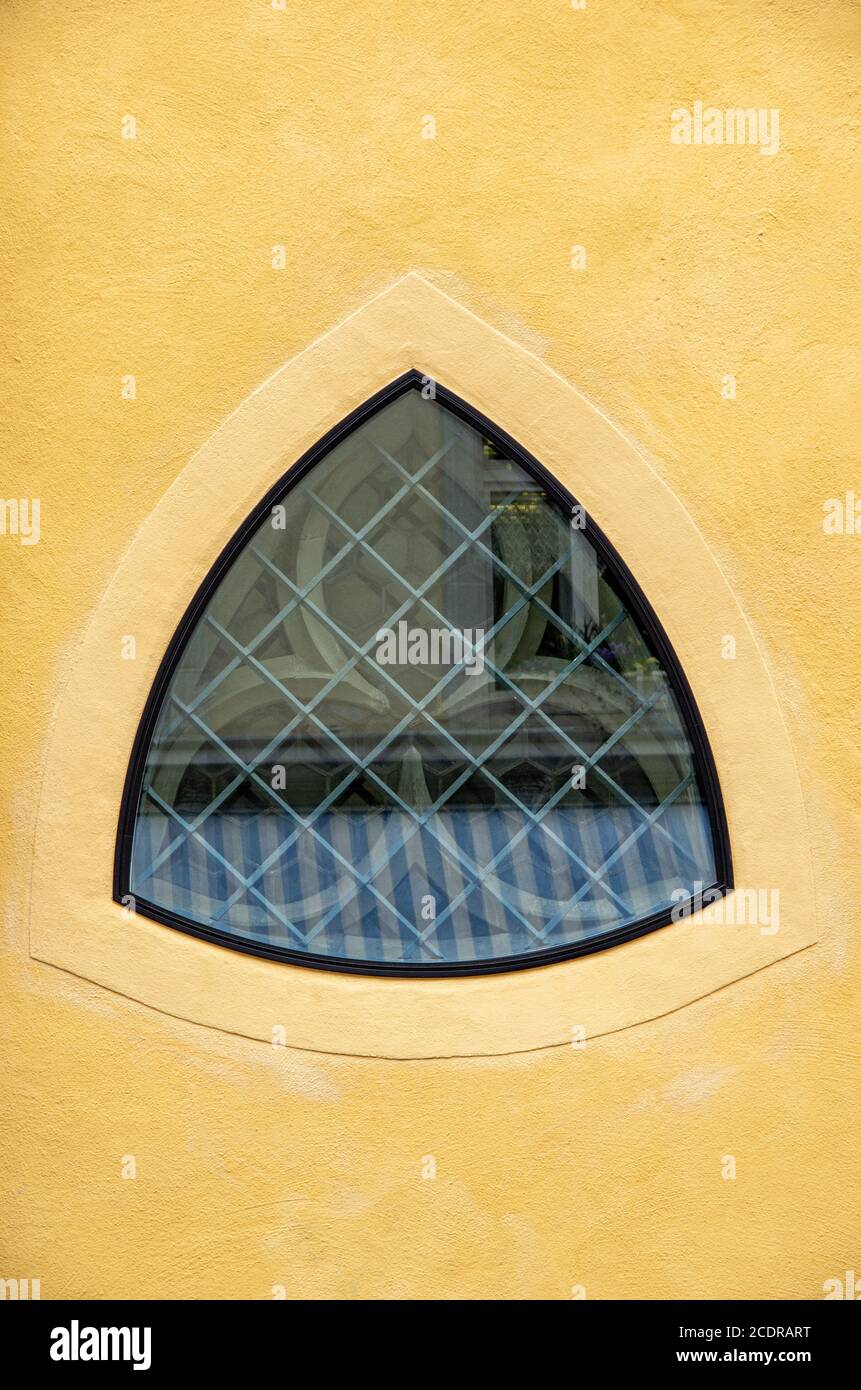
(259, 1166)
(412, 324)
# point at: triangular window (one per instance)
(419, 719)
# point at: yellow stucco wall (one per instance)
(555, 1167)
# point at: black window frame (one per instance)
(628, 590)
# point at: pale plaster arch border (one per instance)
(75, 925)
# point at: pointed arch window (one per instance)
(419, 719)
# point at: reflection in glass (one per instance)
(416, 724)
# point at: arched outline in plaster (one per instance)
(75, 924)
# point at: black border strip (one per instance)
(634, 600)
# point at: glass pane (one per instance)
(416, 724)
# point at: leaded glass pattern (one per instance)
(417, 725)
